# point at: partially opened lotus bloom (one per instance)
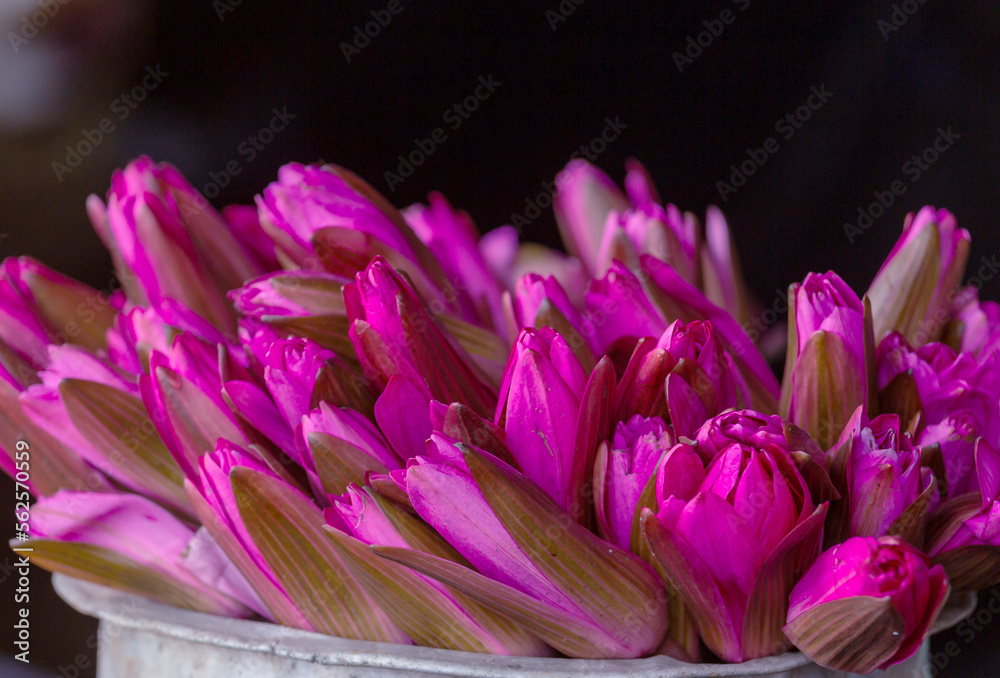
(372, 423)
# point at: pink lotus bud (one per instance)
(539, 301)
(973, 322)
(638, 184)
(666, 234)
(826, 376)
(725, 543)
(308, 198)
(142, 535)
(539, 407)
(866, 603)
(911, 293)
(394, 333)
(168, 243)
(583, 199)
(884, 480)
(291, 293)
(623, 470)
(70, 311)
(497, 531)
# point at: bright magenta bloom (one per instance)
(539, 409)
(723, 536)
(394, 334)
(883, 586)
(886, 486)
(308, 198)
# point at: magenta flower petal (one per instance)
(403, 415)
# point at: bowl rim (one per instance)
(119, 609)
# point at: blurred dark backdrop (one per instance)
(898, 73)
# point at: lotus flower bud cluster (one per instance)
(327, 413)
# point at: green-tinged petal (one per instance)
(339, 463)
(681, 627)
(871, 368)
(119, 424)
(341, 386)
(464, 425)
(550, 316)
(69, 306)
(949, 516)
(767, 605)
(53, 465)
(699, 381)
(282, 465)
(487, 350)
(904, 288)
(196, 420)
(320, 295)
(288, 529)
(386, 487)
(615, 589)
(563, 631)
(912, 522)
(593, 425)
(429, 615)
(281, 608)
(867, 510)
(329, 331)
(345, 251)
(381, 362)
(855, 634)
(414, 531)
(902, 397)
(826, 388)
(110, 568)
(791, 351)
(447, 372)
(817, 478)
(971, 568)
(690, 577)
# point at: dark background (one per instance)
(891, 93)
